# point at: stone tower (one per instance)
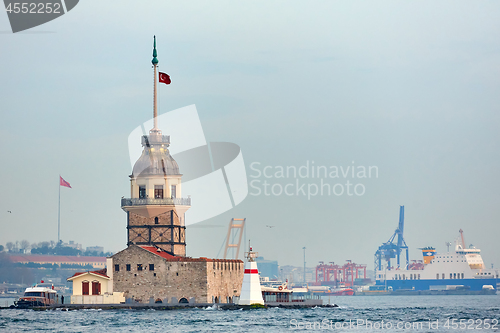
(156, 209)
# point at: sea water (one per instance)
(355, 313)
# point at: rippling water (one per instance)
(366, 314)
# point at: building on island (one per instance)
(94, 287)
(147, 273)
(154, 266)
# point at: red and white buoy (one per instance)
(251, 292)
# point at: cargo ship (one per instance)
(461, 271)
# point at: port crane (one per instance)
(392, 249)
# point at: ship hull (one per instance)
(23, 304)
(438, 285)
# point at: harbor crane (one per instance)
(392, 249)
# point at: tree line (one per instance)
(49, 248)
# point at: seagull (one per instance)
(270, 226)
(9, 211)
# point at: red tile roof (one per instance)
(99, 272)
(168, 257)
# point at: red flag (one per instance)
(62, 182)
(164, 78)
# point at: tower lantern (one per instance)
(156, 209)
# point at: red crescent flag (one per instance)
(62, 182)
(165, 78)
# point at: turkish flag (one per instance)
(62, 182)
(164, 78)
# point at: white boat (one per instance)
(42, 294)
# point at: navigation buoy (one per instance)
(251, 292)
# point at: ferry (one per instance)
(461, 271)
(42, 294)
(282, 295)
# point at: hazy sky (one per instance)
(411, 87)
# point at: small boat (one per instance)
(42, 294)
(281, 295)
(339, 292)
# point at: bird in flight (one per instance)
(270, 226)
(9, 211)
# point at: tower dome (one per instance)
(155, 158)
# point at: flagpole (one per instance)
(155, 92)
(59, 214)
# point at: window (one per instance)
(151, 267)
(451, 275)
(158, 191)
(142, 192)
(173, 191)
(156, 220)
(85, 287)
(96, 288)
(443, 276)
(117, 268)
(128, 267)
(139, 267)
(462, 275)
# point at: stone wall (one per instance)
(224, 279)
(200, 278)
(159, 230)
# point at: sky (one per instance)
(410, 88)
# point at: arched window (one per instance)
(85, 287)
(96, 288)
(156, 220)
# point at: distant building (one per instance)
(98, 249)
(73, 245)
(267, 268)
(96, 262)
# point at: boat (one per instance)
(42, 294)
(461, 271)
(339, 292)
(283, 296)
(327, 291)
